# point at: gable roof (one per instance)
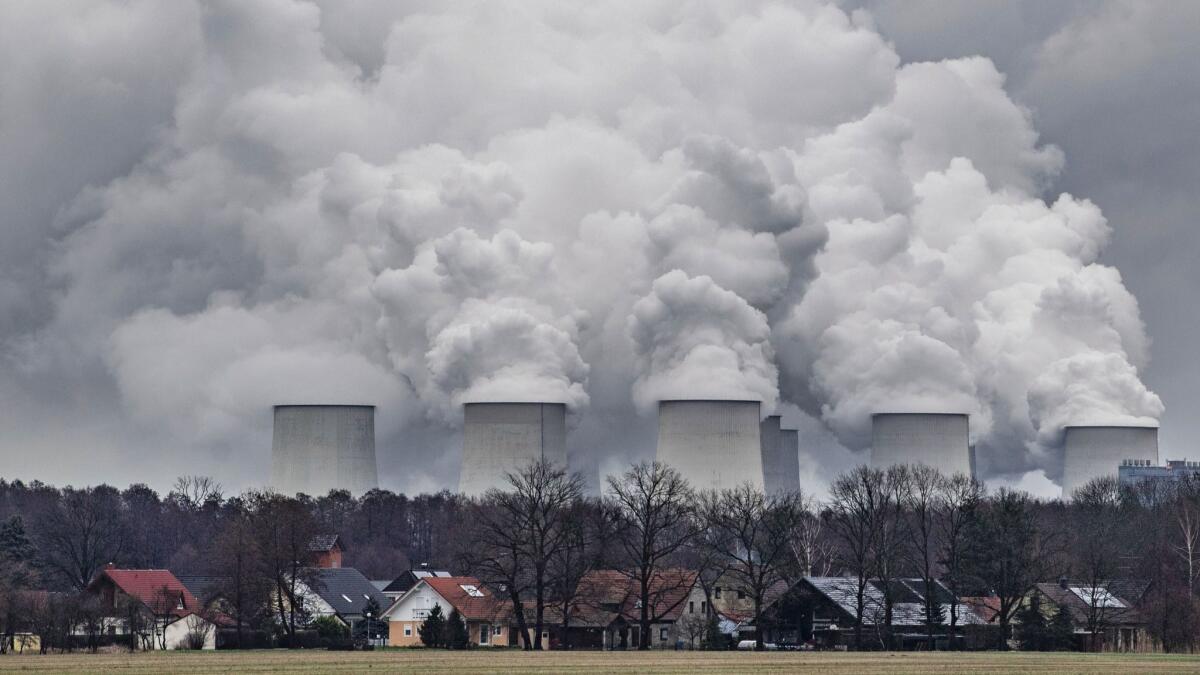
(480, 605)
(325, 542)
(205, 588)
(908, 600)
(606, 595)
(1078, 598)
(147, 587)
(346, 590)
(409, 578)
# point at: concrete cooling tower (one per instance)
(780, 457)
(499, 438)
(939, 440)
(789, 441)
(715, 445)
(1094, 451)
(318, 448)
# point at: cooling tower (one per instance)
(780, 457)
(499, 438)
(715, 445)
(1094, 451)
(318, 448)
(939, 440)
(789, 443)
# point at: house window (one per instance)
(691, 606)
(662, 634)
(180, 604)
(484, 632)
(408, 630)
(471, 590)
(717, 592)
(703, 606)
(741, 594)
(496, 630)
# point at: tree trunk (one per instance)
(858, 616)
(539, 606)
(759, 643)
(565, 637)
(644, 619)
(519, 614)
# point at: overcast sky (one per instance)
(207, 208)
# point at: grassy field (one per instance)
(593, 663)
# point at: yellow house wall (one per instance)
(397, 638)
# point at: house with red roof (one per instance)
(153, 608)
(486, 616)
(607, 610)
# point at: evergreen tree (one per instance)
(456, 631)
(714, 639)
(371, 622)
(1062, 631)
(1032, 631)
(433, 629)
(15, 546)
(16, 555)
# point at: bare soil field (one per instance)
(594, 663)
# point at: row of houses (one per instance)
(817, 612)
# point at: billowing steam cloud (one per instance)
(419, 207)
(695, 339)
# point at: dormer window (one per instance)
(180, 605)
(471, 590)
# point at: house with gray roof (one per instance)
(343, 592)
(824, 610)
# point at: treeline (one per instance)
(535, 542)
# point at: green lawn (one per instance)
(594, 663)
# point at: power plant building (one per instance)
(318, 448)
(780, 457)
(714, 444)
(500, 438)
(1090, 452)
(939, 440)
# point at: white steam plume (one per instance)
(424, 205)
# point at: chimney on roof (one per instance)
(1062, 583)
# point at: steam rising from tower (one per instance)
(714, 444)
(318, 448)
(500, 438)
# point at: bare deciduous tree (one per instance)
(284, 527)
(1095, 541)
(810, 543)
(193, 492)
(957, 499)
(495, 552)
(753, 534)
(80, 534)
(658, 519)
(855, 518)
(544, 494)
(891, 549)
